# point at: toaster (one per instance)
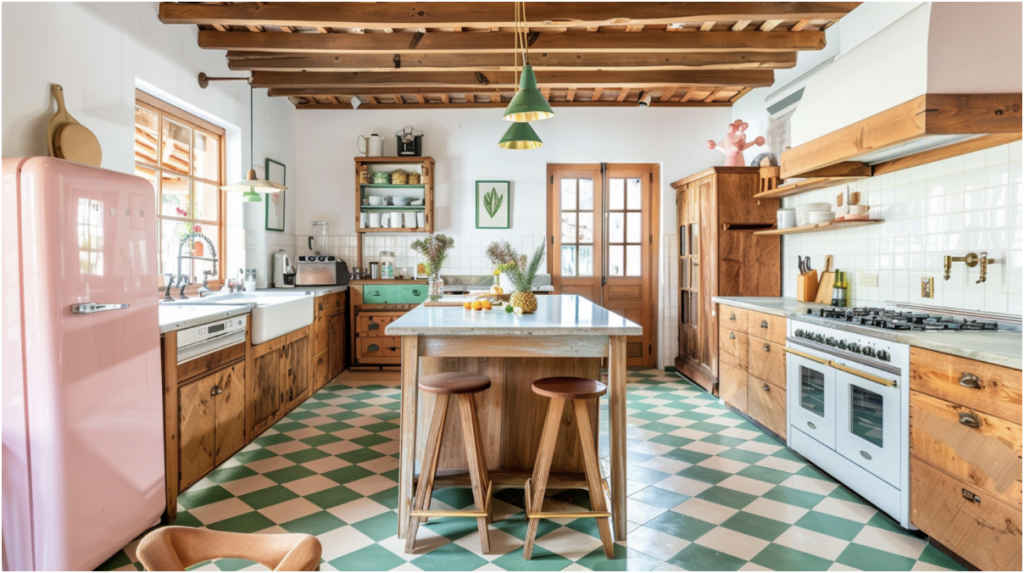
(321, 270)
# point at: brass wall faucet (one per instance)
(971, 260)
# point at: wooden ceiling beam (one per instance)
(383, 15)
(504, 80)
(646, 42)
(488, 104)
(319, 62)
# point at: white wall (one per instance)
(464, 144)
(99, 53)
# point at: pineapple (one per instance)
(524, 300)
(519, 272)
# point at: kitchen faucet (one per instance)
(205, 289)
(184, 283)
(971, 260)
(168, 287)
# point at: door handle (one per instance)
(764, 324)
(94, 307)
(864, 375)
(805, 355)
(970, 419)
(732, 336)
(968, 380)
(766, 348)
(732, 316)
(766, 388)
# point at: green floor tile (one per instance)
(449, 557)
(644, 475)
(388, 498)
(347, 474)
(253, 455)
(830, 525)
(233, 564)
(193, 498)
(290, 473)
(813, 472)
(457, 497)
(306, 455)
(846, 495)
(687, 456)
(667, 440)
(727, 497)
(699, 558)
(516, 526)
(755, 525)
(788, 454)
(246, 523)
(659, 427)
(933, 556)
(371, 440)
(625, 560)
(119, 559)
(314, 524)
(723, 440)
(658, 497)
(224, 475)
(334, 427)
(186, 519)
(871, 559)
(883, 521)
(267, 497)
(764, 474)
(332, 497)
(679, 525)
(703, 474)
(804, 499)
(541, 560)
(300, 415)
(360, 456)
(369, 558)
(708, 427)
(285, 427)
(782, 558)
(742, 455)
(379, 526)
(452, 527)
(272, 440)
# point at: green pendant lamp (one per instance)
(252, 186)
(520, 136)
(528, 104)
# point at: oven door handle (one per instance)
(864, 375)
(807, 356)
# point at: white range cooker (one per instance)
(848, 395)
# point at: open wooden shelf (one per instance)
(805, 186)
(827, 226)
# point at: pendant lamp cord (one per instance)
(522, 48)
(251, 124)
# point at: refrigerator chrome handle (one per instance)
(92, 307)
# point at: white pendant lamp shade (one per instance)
(252, 183)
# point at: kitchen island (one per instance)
(567, 336)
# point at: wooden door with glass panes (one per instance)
(574, 239)
(602, 227)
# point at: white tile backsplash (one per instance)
(950, 207)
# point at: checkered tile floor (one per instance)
(707, 491)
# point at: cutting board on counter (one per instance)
(442, 303)
(825, 282)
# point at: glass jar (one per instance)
(387, 264)
(435, 286)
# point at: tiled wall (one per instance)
(970, 203)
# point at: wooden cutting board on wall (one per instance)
(825, 282)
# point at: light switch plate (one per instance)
(927, 287)
(868, 279)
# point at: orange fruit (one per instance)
(487, 305)
(467, 305)
(477, 305)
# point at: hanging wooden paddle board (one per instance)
(68, 139)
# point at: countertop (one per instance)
(1002, 347)
(175, 317)
(315, 290)
(565, 315)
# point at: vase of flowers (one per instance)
(434, 248)
(519, 271)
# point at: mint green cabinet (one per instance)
(394, 294)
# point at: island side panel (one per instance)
(617, 419)
(407, 443)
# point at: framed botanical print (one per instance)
(275, 172)
(493, 205)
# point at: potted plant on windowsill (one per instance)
(434, 248)
(520, 272)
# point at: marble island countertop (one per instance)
(1001, 347)
(556, 315)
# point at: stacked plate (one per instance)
(813, 213)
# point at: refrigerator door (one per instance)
(93, 382)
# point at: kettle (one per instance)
(281, 267)
(372, 146)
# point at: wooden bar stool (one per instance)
(580, 391)
(462, 385)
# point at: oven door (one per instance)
(868, 419)
(810, 391)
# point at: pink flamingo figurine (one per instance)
(735, 143)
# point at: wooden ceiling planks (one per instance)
(459, 54)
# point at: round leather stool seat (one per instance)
(455, 383)
(569, 388)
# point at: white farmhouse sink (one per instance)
(275, 314)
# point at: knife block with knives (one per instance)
(807, 281)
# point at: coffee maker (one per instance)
(410, 142)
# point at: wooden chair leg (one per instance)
(542, 468)
(477, 464)
(592, 469)
(425, 487)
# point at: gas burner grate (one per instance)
(889, 319)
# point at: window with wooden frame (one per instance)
(183, 157)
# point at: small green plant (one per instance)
(515, 266)
(433, 248)
(492, 202)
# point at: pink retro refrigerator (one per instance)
(83, 470)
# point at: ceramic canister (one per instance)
(410, 220)
(374, 220)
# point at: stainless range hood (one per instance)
(943, 80)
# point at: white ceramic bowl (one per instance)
(820, 217)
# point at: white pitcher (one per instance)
(375, 147)
(385, 220)
(410, 220)
(396, 220)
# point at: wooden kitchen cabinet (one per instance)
(375, 305)
(337, 345)
(281, 379)
(965, 464)
(211, 422)
(720, 256)
(296, 372)
(330, 348)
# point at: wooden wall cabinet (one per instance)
(720, 256)
(752, 365)
(965, 464)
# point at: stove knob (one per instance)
(883, 356)
(799, 333)
(830, 341)
(842, 345)
(853, 347)
(819, 338)
(868, 351)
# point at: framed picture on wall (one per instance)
(275, 172)
(493, 205)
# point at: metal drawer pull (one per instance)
(864, 375)
(764, 324)
(970, 419)
(812, 426)
(970, 495)
(732, 316)
(765, 388)
(968, 380)
(415, 292)
(216, 390)
(91, 307)
(766, 348)
(372, 348)
(810, 357)
(865, 455)
(732, 336)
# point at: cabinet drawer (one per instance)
(732, 386)
(981, 529)
(732, 348)
(767, 326)
(394, 294)
(393, 346)
(979, 449)
(767, 361)
(976, 385)
(373, 324)
(732, 318)
(373, 346)
(766, 403)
